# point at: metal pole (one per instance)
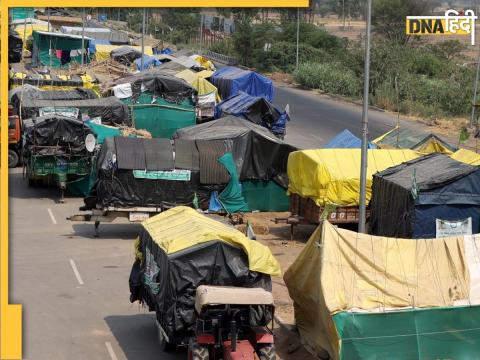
(364, 154)
(475, 88)
(83, 35)
(143, 42)
(343, 13)
(298, 35)
(201, 32)
(48, 18)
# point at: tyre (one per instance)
(12, 159)
(267, 352)
(198, 352)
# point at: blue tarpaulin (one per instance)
(346, 140)
(230, 80)
(148, 62)
(255, 109)
(92, 49)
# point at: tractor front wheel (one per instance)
(198, 352)
(267, 352)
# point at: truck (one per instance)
(14, 139)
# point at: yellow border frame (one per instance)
(11, 315)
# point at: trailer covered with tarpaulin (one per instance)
(27, 93)
(107, 110)
(401, 138)
(259, 157)
(54, 149)
(409, 199)
(180, 249)
(59, 50)
(358, 296)
(230, 80)
(346, 140)
(256, 109)
(159, 103)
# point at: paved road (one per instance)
(317, 118)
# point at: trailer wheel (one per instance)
(198, 352)
(12, 159)
(267, 352)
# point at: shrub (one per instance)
(328, 77)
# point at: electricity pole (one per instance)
(143, 40)
(364, 151)
(83, 36)
(298, 35)
(475, 88)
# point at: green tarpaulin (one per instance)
(420, 334)
(21, 13)
(265, 195)
(160, 117)
(231, 197)
(103, 131)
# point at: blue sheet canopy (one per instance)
(148, 62)
(346, 140)
(255, 109)
(230, 80)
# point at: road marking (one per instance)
(51, 216)
(75, 271)
(110, 350)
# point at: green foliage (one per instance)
(330, 77)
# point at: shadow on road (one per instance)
(137, 336)
(107, 231)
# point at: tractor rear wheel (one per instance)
(198, 352)
(267, 352)
(13, 159)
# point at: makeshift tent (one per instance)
(265, 196)
(346, 140)
(258, 154)
(199, 81)
(204, 62)
(134, 172)
(26, 31)
(148, 62)
(27, 93)
(106, 34)
(160, 103)
(408, 198)
(15, 44)
(102, 52)
(125, 55)
(256, 109)
(196, 250)
(230, 80)
(466, 156)
(58, 50)
(110, 109)
(332, 176)
(358, 296)
(399, 138)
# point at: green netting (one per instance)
(231, 197)
(161, 118)
(421, 334)
(265, 195)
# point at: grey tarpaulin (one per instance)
(446, 189)
(110, 109)
(258, 154)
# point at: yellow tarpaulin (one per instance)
(340, 270)
(103, 51)
(183, 227)
(332, 176)
(199, 81)
(26, 31)
(466, 156)
(207, 64)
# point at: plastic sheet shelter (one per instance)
(258, 154)
(332, 176)
(445, 189)
(346, 140)
(358, 296)
(48, 45)
(102, 52)
(52, 82)
(466, 156)
(111, 110)
(199, 81)
(230, 80)
(399, 138)
(180, 249)
(160, 103)
(204, 62)
(256, 109)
